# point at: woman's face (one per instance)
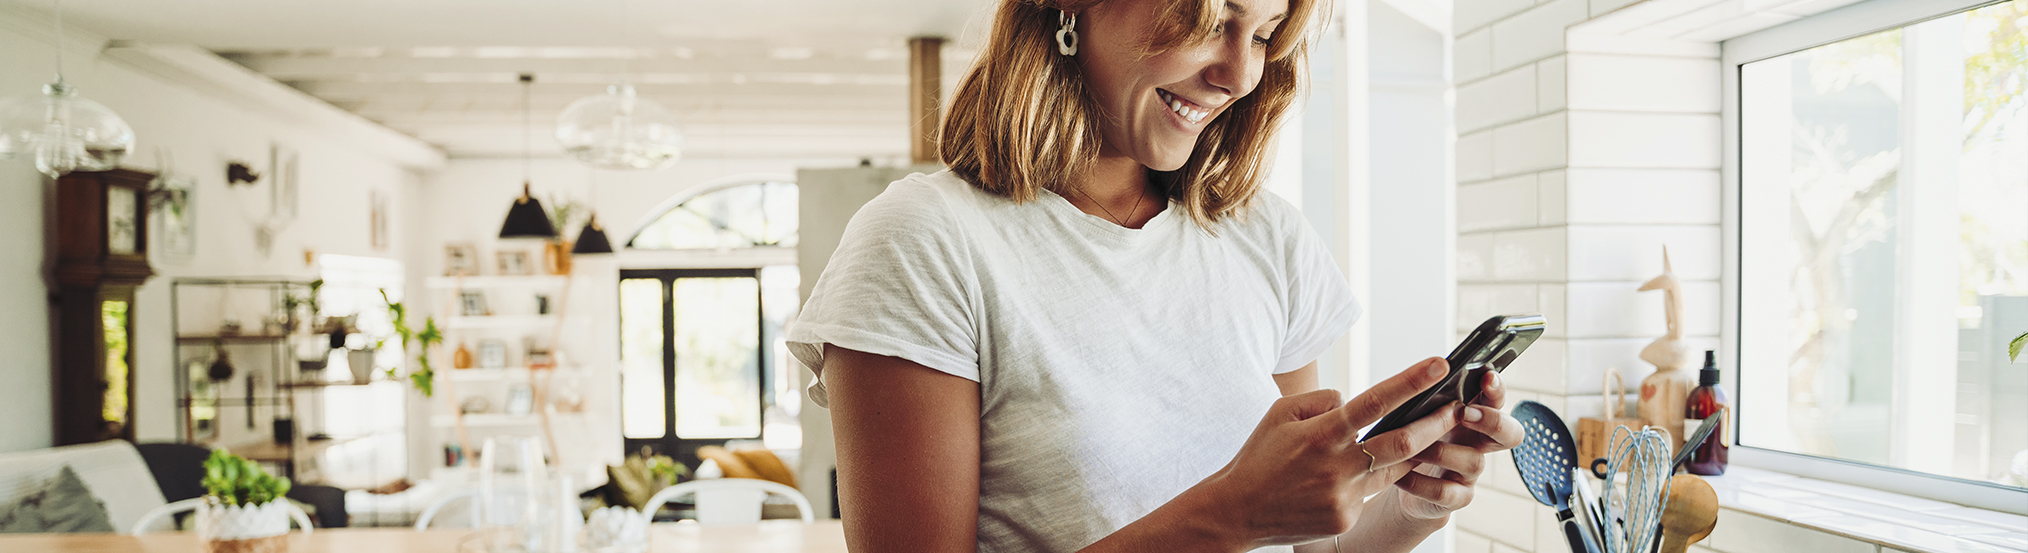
(1154, 107)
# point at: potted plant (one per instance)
(244, 508)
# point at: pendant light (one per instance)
(619, 129)
(526, 218)
(592, 239)
(65, 132)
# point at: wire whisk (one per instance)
(1645, 455)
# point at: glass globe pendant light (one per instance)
(65, 132)
(620, 130)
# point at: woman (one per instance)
(1094, 333)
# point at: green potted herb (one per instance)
(245, 509)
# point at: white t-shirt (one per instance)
(1117, 367)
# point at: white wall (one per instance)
(200, 132)
(471, 197)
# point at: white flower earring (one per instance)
(1066, 38)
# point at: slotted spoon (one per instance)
(1545, 459)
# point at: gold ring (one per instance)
(1370, 459)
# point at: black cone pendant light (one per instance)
(592, 239)
(526, 218)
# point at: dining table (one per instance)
(771, 536)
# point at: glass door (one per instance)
(691, 358)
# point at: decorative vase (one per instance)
(361, 363)
(260, 528)
(556, 257)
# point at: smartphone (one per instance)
(1492, 346)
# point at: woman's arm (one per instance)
(908, 453)
(908, 464)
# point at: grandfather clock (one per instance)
(98, 257)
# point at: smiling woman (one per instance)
(1094, 333)
(1026, 107)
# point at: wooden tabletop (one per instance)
(785, 536)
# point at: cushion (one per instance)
(64, 504)
(767, 465)
(112, 470)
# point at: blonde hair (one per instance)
(1022, 118)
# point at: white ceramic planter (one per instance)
(243, 528)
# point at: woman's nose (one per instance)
(1232, 66)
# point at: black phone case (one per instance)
(1505, 336)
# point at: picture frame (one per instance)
(472, 303)
(514, 263)
(492, 354)
(461, 260)
(520, 400)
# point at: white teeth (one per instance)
(1177, 105)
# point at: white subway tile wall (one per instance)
(1530, 145)
(1475, 157)
(1502, 98)
(1644, 83)
(1585, 144)
(1552, 205)
(1642, 196)
(1472, 55)
(1550, 78)
(1627, 252)
(1501, 204)
(1637, 139)
(1534, 34)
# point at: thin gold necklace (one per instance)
(1109, 213)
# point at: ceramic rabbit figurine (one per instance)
(1665, 393)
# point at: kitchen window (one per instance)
(1878, 182)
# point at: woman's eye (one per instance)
(1261, 40)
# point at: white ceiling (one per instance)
(749, 78)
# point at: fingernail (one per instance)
(1436, 369)
(1472, 414)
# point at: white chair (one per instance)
(141, 526)
(728, 500)
(473, 512)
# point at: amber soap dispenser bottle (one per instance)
(1708, 400)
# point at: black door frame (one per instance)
(685, 450)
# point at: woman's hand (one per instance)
(1304, 476)
(1450, 468)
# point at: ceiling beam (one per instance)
(493, 69)
(541, 90)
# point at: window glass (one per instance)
(1884, 248)
(641, 407)
(738, 216)
(717, 339)
(113, 315)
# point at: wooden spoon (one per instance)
(1691, 514)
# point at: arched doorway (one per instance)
(701, 351)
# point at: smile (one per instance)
(1189, 111)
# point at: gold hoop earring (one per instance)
(1066, 37)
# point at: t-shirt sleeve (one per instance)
(1320, 303)
(900, 284)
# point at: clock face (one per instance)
(122, 231)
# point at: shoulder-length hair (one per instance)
(1022, 118)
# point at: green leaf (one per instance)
(430, 335)
(2014, 347)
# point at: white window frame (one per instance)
(1833, 26)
